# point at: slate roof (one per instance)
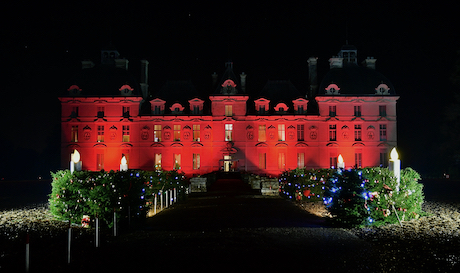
(355, 80)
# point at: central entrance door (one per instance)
(227, 163)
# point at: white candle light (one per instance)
(340, 163)
(395, 166)
(124, 164)
(75, 163)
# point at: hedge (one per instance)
(100, 193)
(358, 197)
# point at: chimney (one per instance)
(313, 76)
(144, 78)
(243, 81)
(369, 62)
(214, 79)
(336, 62)
(87, 64)
(121, 63)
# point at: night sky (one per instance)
(415, 44)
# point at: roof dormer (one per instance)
(332, 89)
(126, 90)
(262, 105)
(74, 90)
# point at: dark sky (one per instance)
(415, 44)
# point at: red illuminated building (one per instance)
(106, 113)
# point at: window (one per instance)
(383, 110)
(100, 133)
(228, 132)
(358, 159)
(125, 112)
(383, 132)
(300, 160)
(332, 110)
(357, 110)
(74, 113)
(156, 133)
(157, 161)
(177, 161)
(100, 111)
(332, 132)
(263, 161)
(333, 160)
(383, 159)
(74, 134)
(300, 109)
(281, 132)
(281, 160)
(196, 161)
(176, 132)
(228, 111)
(357, 132)
(300, 132)
(196, 110)
(100, 162)
(262, 133)
(262, 109)
(196, 132)
(157, 110)
(125, 133)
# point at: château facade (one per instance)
(107, 114)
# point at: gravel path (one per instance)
(232, 228)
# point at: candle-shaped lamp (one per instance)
(395, 166)
(124, 164)
(340, 163)
(75, 163)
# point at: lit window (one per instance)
(228, 110)
(332, 132)
(262, 161)
(228, 132)
(156, 133)
(357, 110)
(74, 134)
(177, 161)
(300, 160)
(196, 132)
(383, 132)
(262, 133)
(281, 132)
(332, 111)
(357, 132)
(100, 133)
(125, 133)
(196, 161)
(300, 132)
(281, 160)
(157, 161)
(176, 132)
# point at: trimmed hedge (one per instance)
(358, 197)
(100, 193)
